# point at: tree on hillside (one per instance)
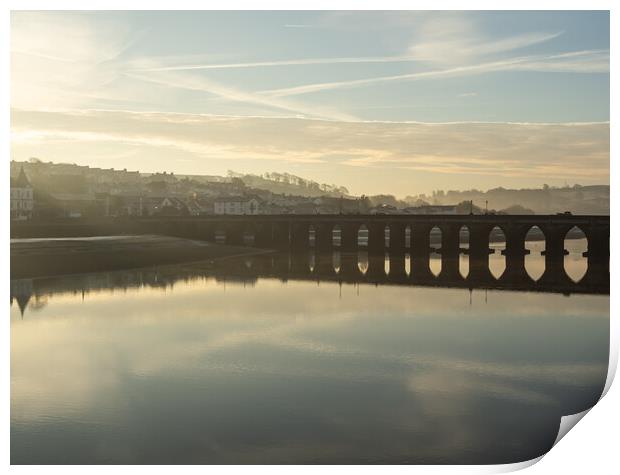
(364, 204)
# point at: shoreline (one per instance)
(31, 258)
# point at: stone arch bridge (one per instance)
(292, 233)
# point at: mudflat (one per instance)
(54, 256)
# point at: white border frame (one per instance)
(591, 447)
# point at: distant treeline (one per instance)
(285, 183)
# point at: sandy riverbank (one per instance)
(55, 256)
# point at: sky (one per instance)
(380, 102)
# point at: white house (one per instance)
(22, 198)
(236, 205)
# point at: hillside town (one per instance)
(45, 190)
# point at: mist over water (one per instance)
(182, 364)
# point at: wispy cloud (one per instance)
(85, 65)
(176, 80)
(455, 40)
(290, 62)
(432, 51)
(581, 62)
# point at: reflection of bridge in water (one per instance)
(336, 267)
(402, 270)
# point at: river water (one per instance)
(190, 364)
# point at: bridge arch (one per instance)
(336, 262)
(386, 236)
(497, 243)
(312, 235)
(575, 263)
(337, 236)
(362, 262)
(535, 245)
(408, 235)
(464, 251)
(362, 236)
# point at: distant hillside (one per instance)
(48, 177)
(577, 199)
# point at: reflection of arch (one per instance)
(464, 251)
(311, 262)
(535, 244)
(362, 262)
(386, 264)
(362, 236)
(435, 237)
(336, 261)
(337, 236)
(575, 243)
(497, 260)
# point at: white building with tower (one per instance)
(22, 197)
